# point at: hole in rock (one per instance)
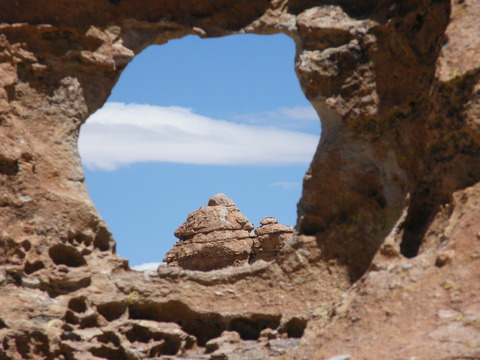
(423, 205)
(89, 321)
(8, 167)
(102, 239)
(30, 268)
(79, 305)
(204, 326)
(66, 255)
(250, 328)
(106, 352)
(112, 311)
(32, 345)
(109, 337)
(193, 118)
(26, 245)
(295, 327)
(71, 318)
(168, 345)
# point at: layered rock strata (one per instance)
(385, 264)
(219, 235)
(269, 239)
(212, 237)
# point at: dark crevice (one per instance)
(167, 345)
(423, 207)
(3, 324)
(103, 240)
(106, 352)
(30, 268)
(66, 255)
(32, 345)
(109, 337)
(8, 167)
(71, 318)
(250, 328)
(78, 305)
(90, 321)
(204, 326)
(112, 311)
(295, 327)
(452, 158)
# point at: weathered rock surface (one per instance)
(219, 235)
(385, 263)
(270, 239)
(212, 237)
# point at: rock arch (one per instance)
(398, 160)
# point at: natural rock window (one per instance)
(193, 118)
(385, 263)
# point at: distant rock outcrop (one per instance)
(269, 239)
(219, 235)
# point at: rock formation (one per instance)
(270, 239)
(213, 237)
(385, 263)
(218, 235)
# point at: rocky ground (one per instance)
(385, 262)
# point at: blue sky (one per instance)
(193, 118)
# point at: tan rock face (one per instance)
(213, 237)
(396, 84)
(270, 239)
(218, 235)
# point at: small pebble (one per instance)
(341, 357)
(448, 285)
(32, 283)
(447, 314)
(444, 258)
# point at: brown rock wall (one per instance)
(396, 84)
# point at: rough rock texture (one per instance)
(218, 235)
(270, 238)
(212, 237)
(386, 262)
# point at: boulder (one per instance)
(213, 237)
(219, 235)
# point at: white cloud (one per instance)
(298, 117)
(121, 134)
(147, 266)
(295, 113)
(286, 185)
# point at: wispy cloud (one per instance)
(147, 266)
(121, 134)
(286, 185)
(294, 118)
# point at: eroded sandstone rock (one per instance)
(269, 240)
(212, 237)
(396, 84)
(219, 235)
